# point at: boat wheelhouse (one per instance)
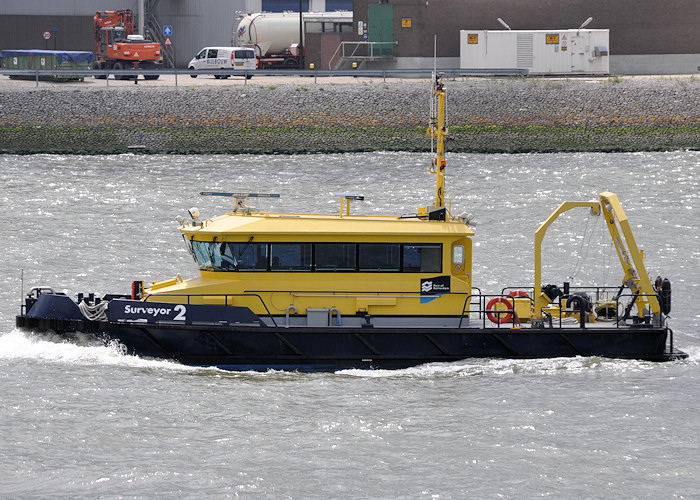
(388, 270)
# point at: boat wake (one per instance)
(505, 367)
(80, 349)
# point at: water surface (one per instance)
(83, 420)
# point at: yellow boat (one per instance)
(334, 291)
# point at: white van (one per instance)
(224, 58)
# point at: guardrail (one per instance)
(77, 74)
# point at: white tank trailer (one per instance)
(275, 35)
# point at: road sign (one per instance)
(46, 35)
(167, 41)
(167, 30)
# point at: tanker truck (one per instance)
(275, 35)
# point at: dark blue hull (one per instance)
(251, 347)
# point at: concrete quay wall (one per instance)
(485, 115)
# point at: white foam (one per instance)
(504, 367)
(81, 349)
(693, 350)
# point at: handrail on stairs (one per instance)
(370, 46)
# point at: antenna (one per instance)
(437, 129)
(504, 24)
(433, 112)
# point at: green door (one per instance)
(380, 27)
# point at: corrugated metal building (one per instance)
(195, 23)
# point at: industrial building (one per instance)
(645, 36)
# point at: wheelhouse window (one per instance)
(335, 256)
(207, 255)
(290, 256)
(221, 256)
(422, 258)
(379, 256)
(320, 257)
(458, 255)
(247, 256)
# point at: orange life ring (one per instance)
(499, 318)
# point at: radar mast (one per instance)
(437, 129)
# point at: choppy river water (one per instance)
(81, 420)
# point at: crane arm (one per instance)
(636, 277)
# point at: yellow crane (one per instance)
(631, 258)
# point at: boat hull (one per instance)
(252, 347)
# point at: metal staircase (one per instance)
(155, 28)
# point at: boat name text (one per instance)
(156, 311)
